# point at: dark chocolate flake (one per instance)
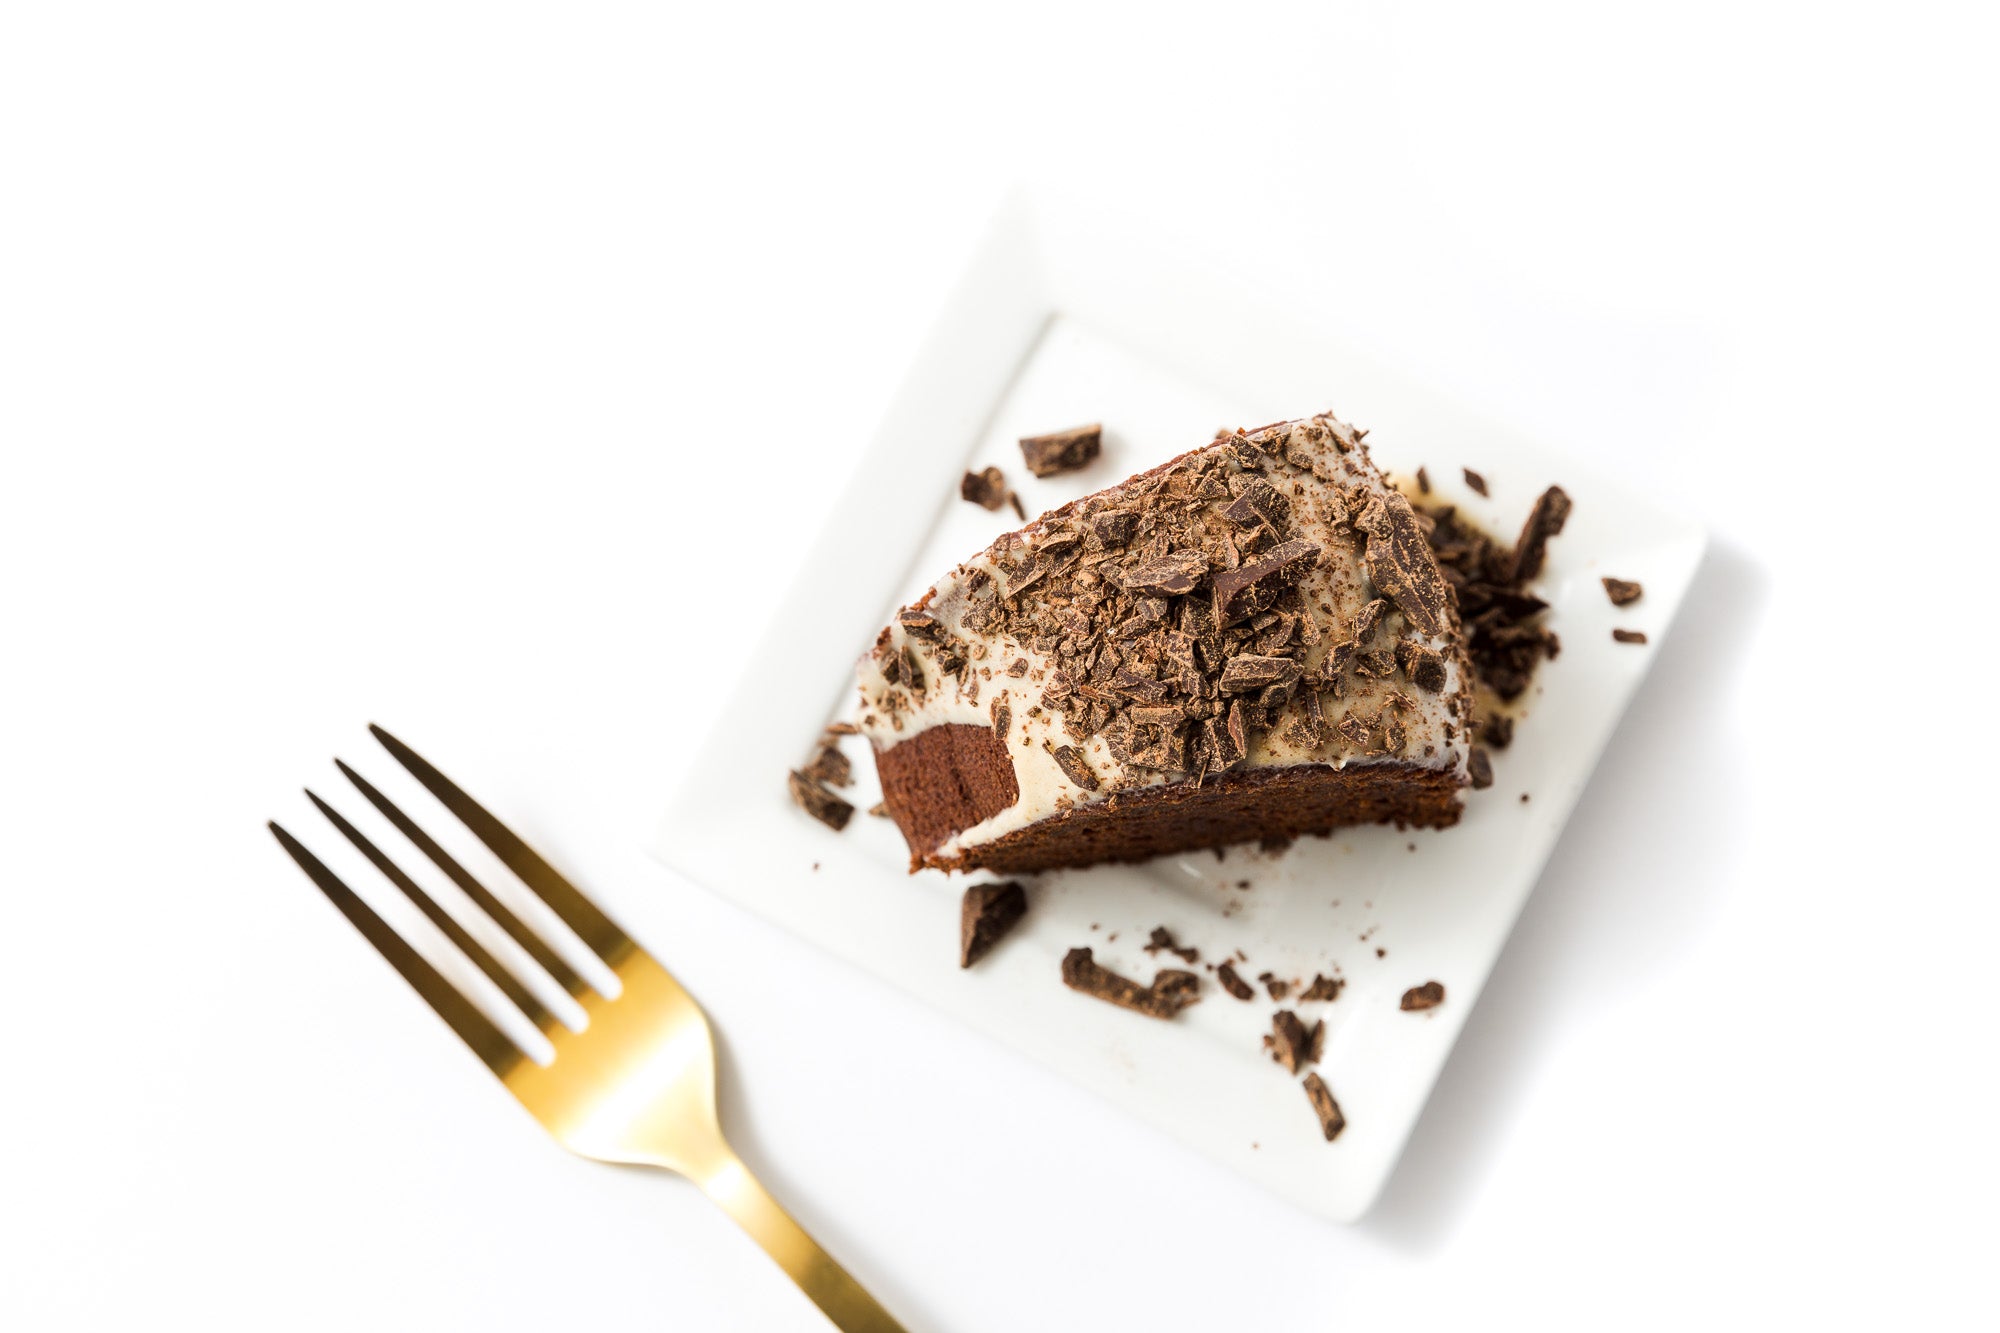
(830, 766)
(1545, 520)
(1292, 1043)
(1003, 716)
(1476, 482)
(1260, 503)
(1168, 575)
(987, 912)
(1244, 591)
(1074, 767)
(1234, 984)
(1401, 566)
(1331, 1121)
(1480, 768)
(1629, 635)
(1427, 996)
(1063, 450)
(1622, 592)
(818, 802)
(1323, 988)
(987, 489)
(1247, 673)
(1172, 990)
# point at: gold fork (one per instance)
(637, 1085)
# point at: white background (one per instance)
(384, 362)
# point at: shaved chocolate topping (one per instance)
(1480, 768)
(1401, 566)
(1244, 591)
(1063, 450)
(1545, 520)
(818, 802)
(987, 489)
(1622, 592)
(1234, 984)
(1258, 503)
(1475, 481)
(1075, 767)
(1169, 575)
(1323, 988)
(1427, 996)
(985, 913)
(1292, 1044)
(1172, 990)
(1629, 635)
(1331, 1121)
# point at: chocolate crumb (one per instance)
(1423, 482)
(1063, 450)
(1163, 939)
(880, 809)
(1233, 983)
(1480, 767)
(818, 802)
(1292, 1044)
(1277, 986)
(986, 489)
(1171, 991)
(1628, 635)
(985, 913)
(1014, 499)
(1622, 592)
(1427, 996)
(1524, 798)
(1018, 667)
(1381, 953)
(1331, 1121)
(1498, 731)
(842, 729)
(1323, 988)
(1476, 482)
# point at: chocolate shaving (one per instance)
(1163, 939)
(1479, 766)
(1401, 566)
(1234, 984)
(1292, 1044)
(1423, 482)
(1323, 988)
(1422, 665)
(1063, 450)
(985, 913)
(1427, 996)
(1071, 761)
(1331, 1121)
(1003, 716)
(830, 766)
(1114, 527)
(1545, 520)
(1018, 668)
(987, 489)
(1260, 503)
(1244, 591)
(1168, 575)
(1622, 592)
(818, 802)
(1172, 990)
(1247, 673)
(1476, 482)
(1629, 635)
(842, 729)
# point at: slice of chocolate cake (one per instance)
(1252, 641)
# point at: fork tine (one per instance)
(538, 949)
(594, 928)
(537, 1012)
(488, 1042)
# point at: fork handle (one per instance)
(819, 1276)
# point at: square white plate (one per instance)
(1050, 327)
